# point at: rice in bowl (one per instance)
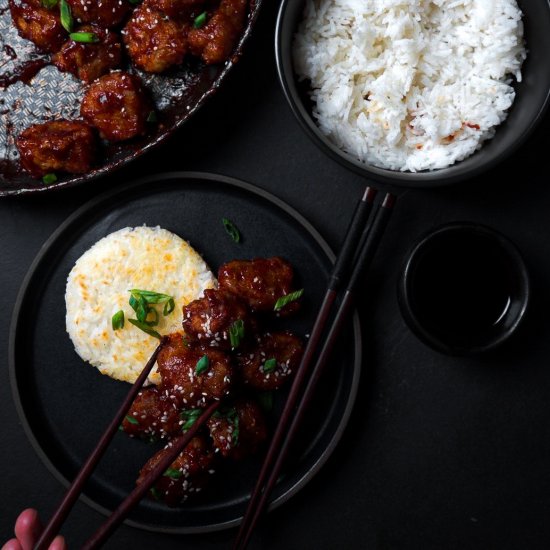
(146, 258)
(410, 85)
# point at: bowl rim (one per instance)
(457, 172)
(404, 287)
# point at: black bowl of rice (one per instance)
(415, 93)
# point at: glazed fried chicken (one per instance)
(57, 146)
(89, 61)
(259, 282)
(188, 474)
(193, 376)
(105, 13)
(117, 105)
(274, 358)
(153, 40)
(38, 24)
(215, 41)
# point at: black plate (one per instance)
(177, 95)
(65, 404)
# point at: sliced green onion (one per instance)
(135, 1)
(156, 493)
(169, 306)
(117, 321)
(152, 117)
(140, 306)
(231, 230)
(149, 296)
(202, 365)
(145, 328)
(270, 365)
(65, 15)
(236, 333)
(49, 4)
(200, 20)
(189, 417)
(49, 179)
(84, 37)
(155, 320)
(132, 420)
(172, 473)
(285, 300)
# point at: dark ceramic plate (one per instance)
(65, 404)
(50, 94)
(532, 95)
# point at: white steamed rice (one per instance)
(410, 84)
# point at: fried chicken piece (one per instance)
(105, 13)
(239, 431)
(260, 282)
(177, 8)
(188, 474)
(152, 416)
(89, 61)
(57, 146)
(213, 319)
(190, 380)
(153, 40)
(117, 105)
(38, 24)
(215, 41)
(273, 359)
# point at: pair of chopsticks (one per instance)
(117, 517)
(359, 247)
(360, 244)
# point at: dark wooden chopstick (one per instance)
(293, 413)
(62, 511)
(176, 447)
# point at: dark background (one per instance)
(440, 452)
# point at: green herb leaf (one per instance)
(190, 417)
(140, 306)
(117, 321)
(236, 333)
(265, 399)
(121, 428)
(200, 20)
(155, 492)
(202, 365)
(270, 365)
(132, 420)
(145, 328)
(169, 306)
(172, 473)
(230, 414)
(65, 15)
(285, 300)
(150, 296)
(155, 320)
(152, 117)
(49, 4)
(231, 230)
(49, 179)
(84, 37)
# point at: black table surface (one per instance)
(440, 452)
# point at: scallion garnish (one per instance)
(169, 306)
(189, 417)
(65, 15)
(49, 4)
(236, 333)
(270, 365)
(285, 300)
(172, 473)
(84, 37)
(230, 414)
(132, 420)
(155, 492)
(135, 1)
(145, 328)
(149, 296)
(231, 230)
(152, 117)
(117, 321)
(200, 20)
(49, 179)
(202, 365)
(155, 320)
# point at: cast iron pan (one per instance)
(51, 94)
(64, 404)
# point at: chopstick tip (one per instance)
(389, 201)
(370, 194)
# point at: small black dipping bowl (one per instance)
(464, 289)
